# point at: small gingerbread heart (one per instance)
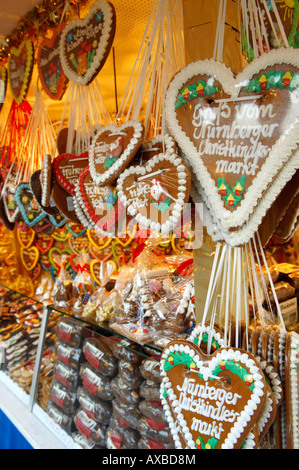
(112, 149)
(28, 206)
(26, 238)
(156, 194)
(43, 242)
(78, 244)
(101, 269)
(29, 257)
(98, 242)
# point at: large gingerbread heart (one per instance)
(20, 65)
(51, 73)
(100, 205)
(155, 194)
(112, 149)
(85, 43)
(67, 168)
(210, 401)
(238, 133)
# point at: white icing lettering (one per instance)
(243, 139)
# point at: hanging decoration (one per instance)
(20, 66)
(51, 73)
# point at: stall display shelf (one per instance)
(22, 408)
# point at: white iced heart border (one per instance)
(167, 141)
(108, 15)
(100, 179)
(178, 208)
(222, 354)
(247, 230)
(280, 152)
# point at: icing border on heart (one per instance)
(86, 213)
(125, 157)
(106, 39)
(196, 363)
(183, 192)
(280, 153)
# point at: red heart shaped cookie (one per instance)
(20, 65)
(211, 401)
(239, 134)
(67, 168)
(100, 205)
(112, 149)
(85, 43)
(51, 73)
(155, 194)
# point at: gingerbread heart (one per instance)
(112, 149)
(100, 205)
(43, 242)
(85, 43)
(53, 79)
(10, 205)
(64, 202)
(3, 85)
(54, 255)
(213, 400)
(104, 254)
(75, 229)
(35, 272)
(238, 133)
(100, 269)
(45, 262)
(156, 194)
(67, 168)
(20, 65)
(29, 257)
(61, 234)
(98, 242)
(28, 206)
(26, 238)
(78, 244)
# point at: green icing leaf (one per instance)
(191, 91)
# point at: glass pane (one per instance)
(103, 390)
